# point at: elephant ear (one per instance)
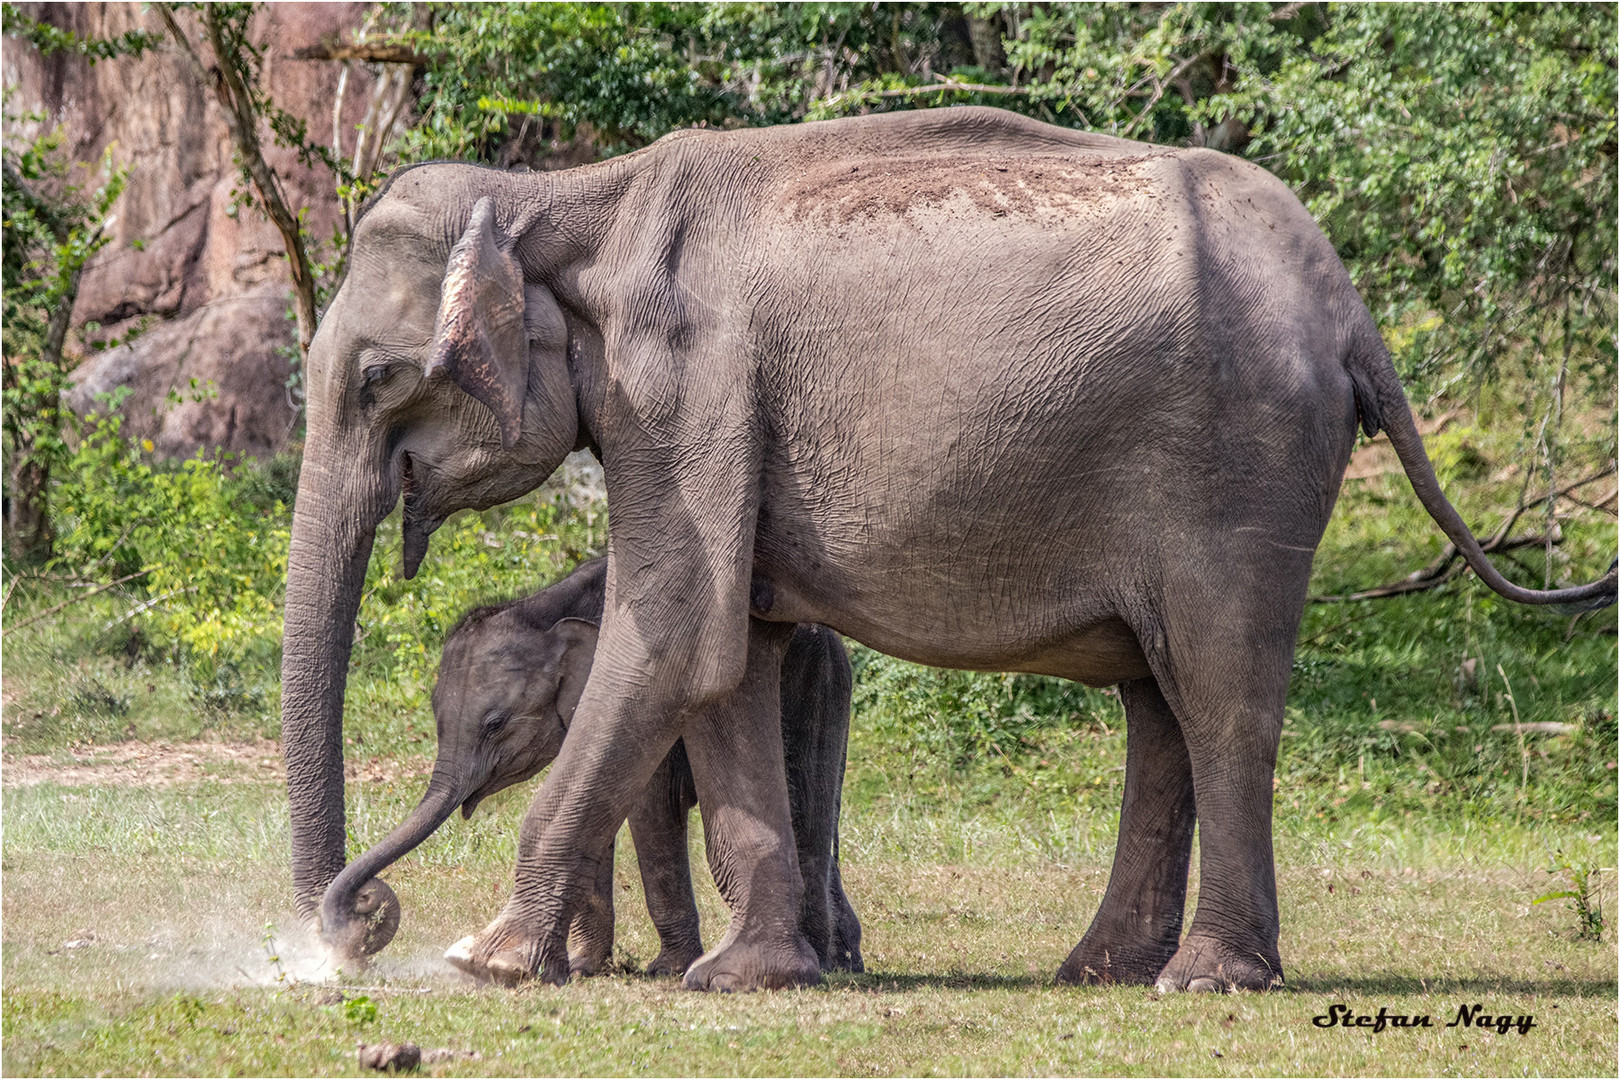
(480, 338)
(578, 639)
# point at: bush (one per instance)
(210, 555)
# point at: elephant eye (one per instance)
(494, 720)
(371, 377)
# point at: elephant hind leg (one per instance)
(1223, 662)
(1138, 927)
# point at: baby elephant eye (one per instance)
(494, 720)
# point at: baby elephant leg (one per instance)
(816, 687)
(735, 750)
(590, 935)
(658, 826)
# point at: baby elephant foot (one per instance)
(674, 960)
(1098, 963)
(1203, 964)
(751, 965)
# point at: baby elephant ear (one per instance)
(578, 641)
(479, 337)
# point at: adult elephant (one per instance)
(976, 391)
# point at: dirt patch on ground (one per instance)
(140, 764)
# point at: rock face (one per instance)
(216, 377)
(182, 251)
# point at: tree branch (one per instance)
(945, 83)
(1445, 566)
(378, 52)
(241, 120)
(31, 620)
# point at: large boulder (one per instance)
(182, 249)
(214, 377)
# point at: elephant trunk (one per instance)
(360, 913)
(326, 570)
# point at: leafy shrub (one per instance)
(211, 564)
(967, 716)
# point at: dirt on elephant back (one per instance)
(142, 764)
(891, 186)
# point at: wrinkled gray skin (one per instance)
(509, 683)
(976, 391)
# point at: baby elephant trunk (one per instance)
(360, 913)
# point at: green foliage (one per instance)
(963, 718)
(52, 228)
(1466, 174)
(49, 39)
(1586, 906)
(506, 80)
(360, 1010)
(214, 564)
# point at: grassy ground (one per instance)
(134, 943)
(145, 844)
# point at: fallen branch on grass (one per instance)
(69, 603)
(1445, 567)
(147, 605)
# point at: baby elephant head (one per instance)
(506, 694)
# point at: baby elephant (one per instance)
(509, 681)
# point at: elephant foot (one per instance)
(846, 942)
(586, 963)
(673, 961)
(1206, 965)
(1097, 963)
(846, 960)
(738, 965)
(507, 959)
(460, 956)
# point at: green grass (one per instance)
(172, 888)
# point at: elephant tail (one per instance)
(1381, 403)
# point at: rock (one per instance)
(391, 1057)
(180, 249)
(168, 130)
(235, 350)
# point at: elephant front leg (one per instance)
(735, 749)
(565, 843)
(658, 826)
(1138, 927)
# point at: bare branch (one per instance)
(1445, 567)
(227, 81)
(1158, 92)
(372, 52)
(31, 620)
(945, 83)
